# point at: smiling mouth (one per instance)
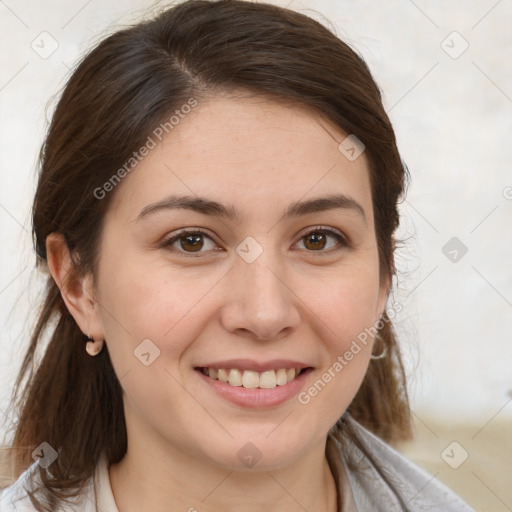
(250, 379)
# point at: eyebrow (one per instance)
(210, 207)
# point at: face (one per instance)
(246, 296)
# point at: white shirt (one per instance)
(103, 490)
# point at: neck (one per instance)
(152, 478)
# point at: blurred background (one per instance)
(446, 76)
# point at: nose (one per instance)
(260, 300)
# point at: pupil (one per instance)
(317, 237)
(194, 244)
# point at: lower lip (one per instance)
(256, 397)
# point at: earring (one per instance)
(93, 348)
(383, 352)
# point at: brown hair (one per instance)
(125, 87)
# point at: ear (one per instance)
(385, 288)
(77, 291)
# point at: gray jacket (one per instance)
(381, 487)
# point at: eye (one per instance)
(191, 242)
(316, 239)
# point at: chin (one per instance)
(259, 451)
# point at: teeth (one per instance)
(281, 378)
(235, 377)
(250, 379)
(222, 375)
(268, 379)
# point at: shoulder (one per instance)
(15, 496)
(388, 480)
(16, 499)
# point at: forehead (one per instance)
(253, 152)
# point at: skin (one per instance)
(296, 300)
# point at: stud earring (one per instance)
(93, 348)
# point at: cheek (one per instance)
(143, 301)
(347, 304)
(335, 384)
(347, 309)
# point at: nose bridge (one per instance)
(259, 269)
(260, 300)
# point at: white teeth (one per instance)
(235, 377)
(268, 379)
(250, 379)
(222, 375)
(281, 378)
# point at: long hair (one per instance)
(122, 89)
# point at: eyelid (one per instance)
(343, 240)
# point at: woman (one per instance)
(216, 207)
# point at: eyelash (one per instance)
(342, 241)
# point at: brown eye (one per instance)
(188, 242)
(193, 243)
(317, 240)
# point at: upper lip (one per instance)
(256, 366)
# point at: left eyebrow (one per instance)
(331, 202)
(210, 207)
